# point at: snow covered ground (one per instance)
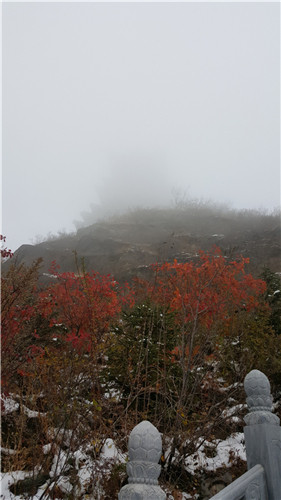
(83, 463)
(91, 472)
(88, 469)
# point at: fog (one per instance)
(118, 105)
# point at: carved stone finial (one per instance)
(257, 388)
(262, 436)
(259, 399)
(145, 447)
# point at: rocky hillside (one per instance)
(126, 245)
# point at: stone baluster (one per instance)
(145, 448)
(263, 432)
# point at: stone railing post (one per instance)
(263, 432)
(145, 448)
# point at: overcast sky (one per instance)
(120, 104)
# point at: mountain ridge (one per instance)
(125, 246)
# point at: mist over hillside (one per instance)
(126, 244)
(120, 204)
(101, 115)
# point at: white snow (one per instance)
(9, 404)
(88, 468)
(58, 464)
(7, 451)
(229, 412)
(31, 413)
(93, 471)
(47, 448)
(64, 484)
(224, 449)
(7, 479)
(109, 450)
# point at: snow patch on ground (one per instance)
(9, 405)
(110, 451)
(89, 470)
(7, 479)
(234, 445)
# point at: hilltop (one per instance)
(126, 245)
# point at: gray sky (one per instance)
(119, 104)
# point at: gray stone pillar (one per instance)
(263, 432)
(145, 448)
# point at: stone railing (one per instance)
(262, 432)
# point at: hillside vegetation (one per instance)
(86, 356)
